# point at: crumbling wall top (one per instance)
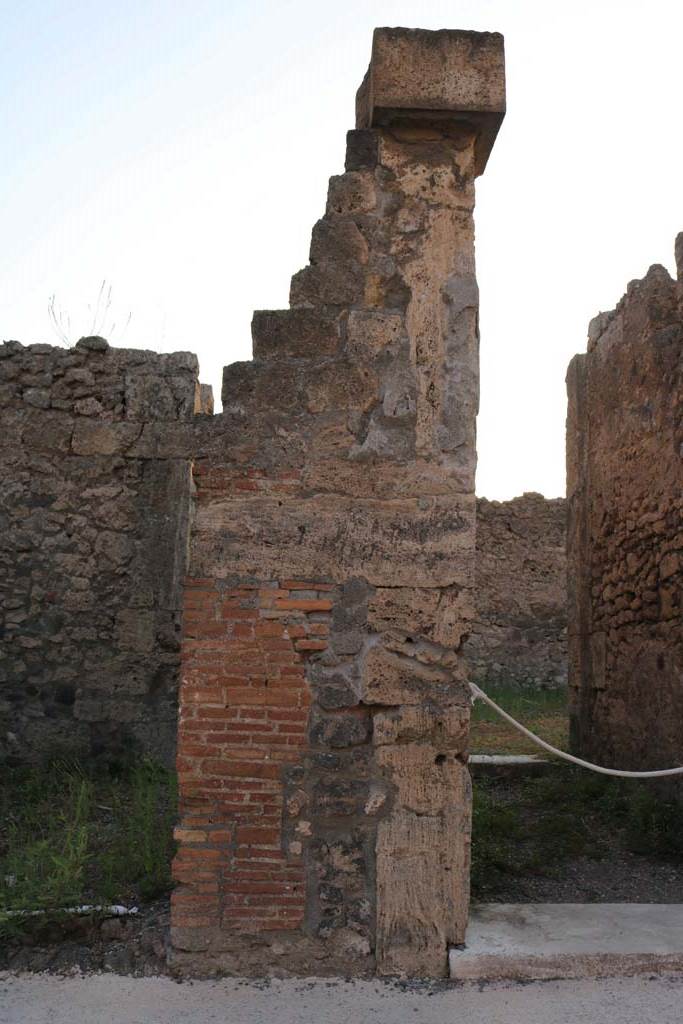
(448, 74)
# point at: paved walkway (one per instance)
(110, 999)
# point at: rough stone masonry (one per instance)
(519, 633)
(325, 797)
(625, 539)
(93, 514)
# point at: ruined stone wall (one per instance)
(325, 802)
(625, 495)
(322, 736)
(519, 635)
(93, 516)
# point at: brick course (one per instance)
(244, 712)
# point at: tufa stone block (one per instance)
(448, 75)
(393, 679)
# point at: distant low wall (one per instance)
(520, 633)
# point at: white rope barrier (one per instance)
(478, 694)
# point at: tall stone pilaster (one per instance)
(324, 707)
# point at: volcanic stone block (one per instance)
(361, 150)
(446, 724)
(352, 193)
(254, 387)
(338, 238)
(371, 333)
(334, 283)
(293, 334)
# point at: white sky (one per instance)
(182, 150)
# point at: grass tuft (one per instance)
(71, 835)
(542, 711)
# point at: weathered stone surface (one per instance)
(391, 544)
(422, 911)
(389, 678)
(352, 193)
(428, 75)
(336, 686)
(361, 150)
(97, 438)
(370, 334)
(331, 284)
(339, 730)
(338, 463)
(443, 616)
(428, 777)
(251, 387)
(519, 632)
(625, 487)
(421, 899)
(338, 238)
(92, 554)
(446, 725)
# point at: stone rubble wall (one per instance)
(625, 545)
(519, 635)
(92, 547)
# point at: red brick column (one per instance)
(244, 706)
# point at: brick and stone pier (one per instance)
(325, 797)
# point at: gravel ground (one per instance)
(109, 999)
(548, 839)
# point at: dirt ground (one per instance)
(134, 945)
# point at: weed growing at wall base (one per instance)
(71, 835)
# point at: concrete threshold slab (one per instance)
(535, 941)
